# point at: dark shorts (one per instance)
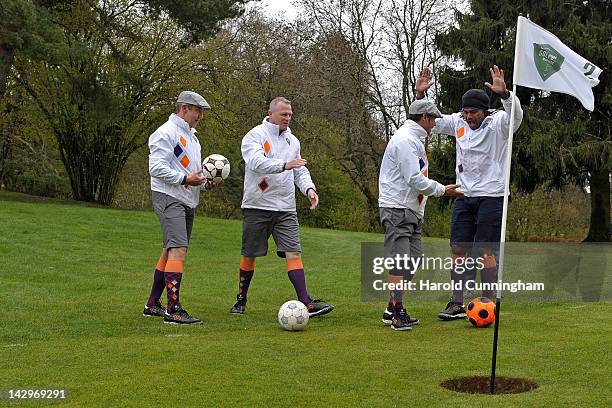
(176, 220)
(258, 225)
(476, 221)
(403, 230)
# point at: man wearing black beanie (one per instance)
(481, 136)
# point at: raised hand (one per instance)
(498, 83)
(423, 83)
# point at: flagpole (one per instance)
(502, 246)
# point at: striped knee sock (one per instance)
(158, 282)
(247, 268)
(295, 270)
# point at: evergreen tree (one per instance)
(27, 27)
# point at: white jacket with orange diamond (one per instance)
(481, 153)
(266, 185)
(174, 152)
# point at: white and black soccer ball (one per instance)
(293, 315)
(216, 168)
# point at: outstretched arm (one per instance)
(410, 170)
(444, 125)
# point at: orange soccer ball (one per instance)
(481, 312)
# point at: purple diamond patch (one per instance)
(178, 150)
(263, 185)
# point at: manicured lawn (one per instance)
(75, 279)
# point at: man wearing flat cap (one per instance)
(175, 167)
(403, 190)
(481, 136)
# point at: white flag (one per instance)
(542, 61)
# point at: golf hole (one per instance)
(482, 385)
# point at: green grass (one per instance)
(75, 278)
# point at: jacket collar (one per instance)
(272, 128)
(178, 121)
(416, 128)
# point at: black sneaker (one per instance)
(180, 316)
(157, 310)
(318, 307)
(240, 305)
(388, 317)
(453, 311)
(401, 321)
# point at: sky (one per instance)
(275, 7)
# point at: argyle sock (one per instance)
(396, 296)
(173, 276)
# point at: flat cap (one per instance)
(424, 107)
(193, 98)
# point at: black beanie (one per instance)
(475, 99)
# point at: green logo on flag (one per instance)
(547, 60)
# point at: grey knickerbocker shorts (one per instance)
(258, 225)
(403, 230)
(176, 220)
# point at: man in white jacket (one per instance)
(273, 168)
(403, 187)
(175, 166)
(481, 136)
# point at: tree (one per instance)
(251, 61)
(126, 61)
(24, 30)
(392, 38)
(558, 140)
(370, 53)
(26, 26)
